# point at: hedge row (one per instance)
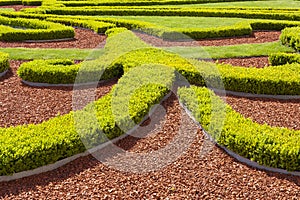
(30, 146)
(283, 58)
(291, 37)
(98, 27)
(136, 3)
(197, 12)
(34, 30)
(132, 52)
(239, 29)
(65, 72)
(266, 145)
(21, 2)
(10, 2)
(4, 62)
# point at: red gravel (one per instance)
(212, 176)
(84, 39)
(256, 37)
(258, 62)
(21, 104)
(17, 7)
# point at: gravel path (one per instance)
(214, 175)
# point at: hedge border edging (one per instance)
(237, 156)
(3, 73)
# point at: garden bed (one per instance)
(84, 39)
(211, 176)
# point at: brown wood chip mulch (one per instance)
(212, 176)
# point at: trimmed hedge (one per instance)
(291, 37)
(30, 146)
(98, 27)
(36, 30)
(266, 145)
(4, 62)
(157, 11)
(132, 52)
(137, 2)
(283, 58)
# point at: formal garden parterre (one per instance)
(269, 138)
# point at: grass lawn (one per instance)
(183, 22)
(262, 4)
(243, 50)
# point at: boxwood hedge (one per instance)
(132, 52)
(266, 145)
(284, 58)
(4, 63)
(29, 146)
(32, 29)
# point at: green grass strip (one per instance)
(215, 52)
(243, 50)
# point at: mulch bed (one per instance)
(258, 62)
(256, 37)
(193, 176)
(21, 104)
(84, 39)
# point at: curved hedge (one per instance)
(18, 29)
(280, 80)
(29, 146)
(266, 145)
(291, 37)
(4, 62)
(284, 58)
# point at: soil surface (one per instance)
(22, 104)
(195, 174)
(258, 62)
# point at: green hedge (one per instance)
(10, 2)
(291, 37)
(32, 2)
(266, 145)
(132, 52)
(34, 30)
(283, 58)
(98, 27)
(30, 146)
(4, 62)
(137, 2)
(239, 29)
(157, 11)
